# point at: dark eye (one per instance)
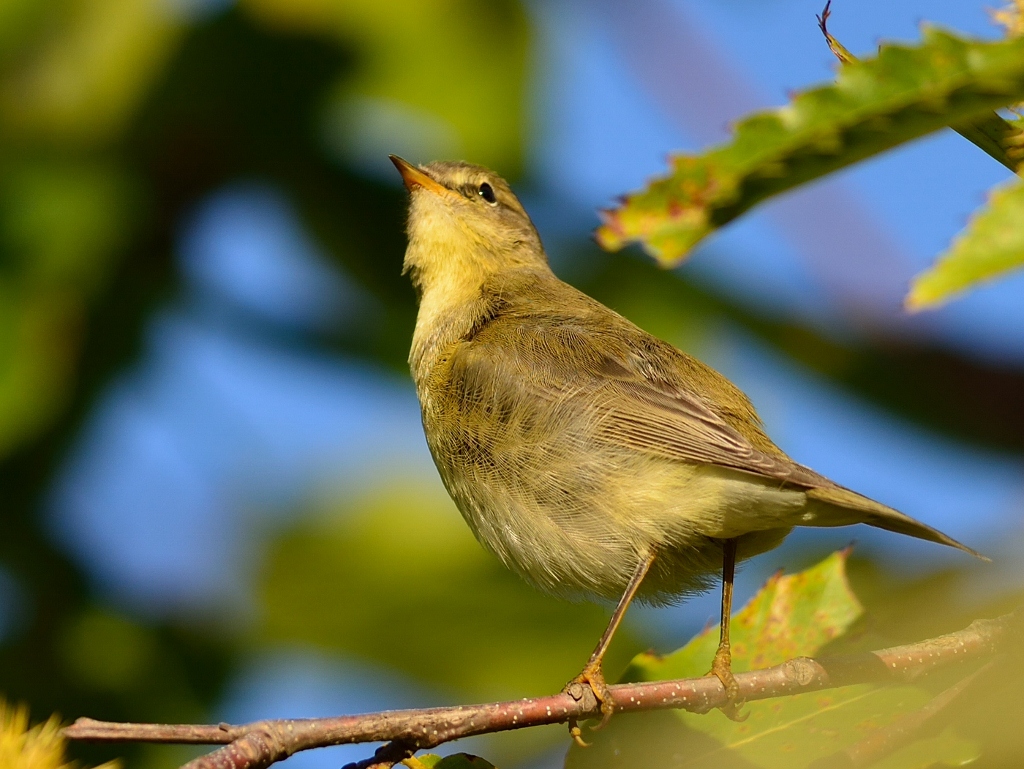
(487, 193)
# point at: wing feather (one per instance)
(633, 388)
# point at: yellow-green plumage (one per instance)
(573, 442)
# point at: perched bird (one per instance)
(591, 457)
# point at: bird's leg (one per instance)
(721, 667)
(592, 674)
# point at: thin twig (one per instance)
(261, 743)
(837, 48)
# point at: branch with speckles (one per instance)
(262, 743)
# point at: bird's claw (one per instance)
(593, 677)
(721, 668)
(576, 734)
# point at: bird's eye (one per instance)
(487, 193)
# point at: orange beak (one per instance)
(414, 177)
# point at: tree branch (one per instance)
(262, 743)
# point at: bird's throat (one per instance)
(450, 303)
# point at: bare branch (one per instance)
(262, 743)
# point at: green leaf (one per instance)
(454, 761)
(992, 245)
(996, 136)
(791, 616)
(875, 104)
(944, 749)
(999, 138)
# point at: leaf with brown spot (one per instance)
(792, 615)
(875, 104)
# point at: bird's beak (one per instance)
(414, 177)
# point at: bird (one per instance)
(594, 459)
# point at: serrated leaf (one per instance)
(791, 616)
(992, 245)
(875, 104)
(1000, 138)
(997, 137)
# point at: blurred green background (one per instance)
(215, 500)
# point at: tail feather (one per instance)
(836, 506)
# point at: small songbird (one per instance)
(591, 457)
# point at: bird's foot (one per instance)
(591, 676)
(721, 668)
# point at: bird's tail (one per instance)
(836, 506)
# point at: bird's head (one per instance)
(464, 224)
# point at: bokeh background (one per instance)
(215, 499)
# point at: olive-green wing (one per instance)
(636, 391)
(674, 423)
(640, 394)
(664, 417)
